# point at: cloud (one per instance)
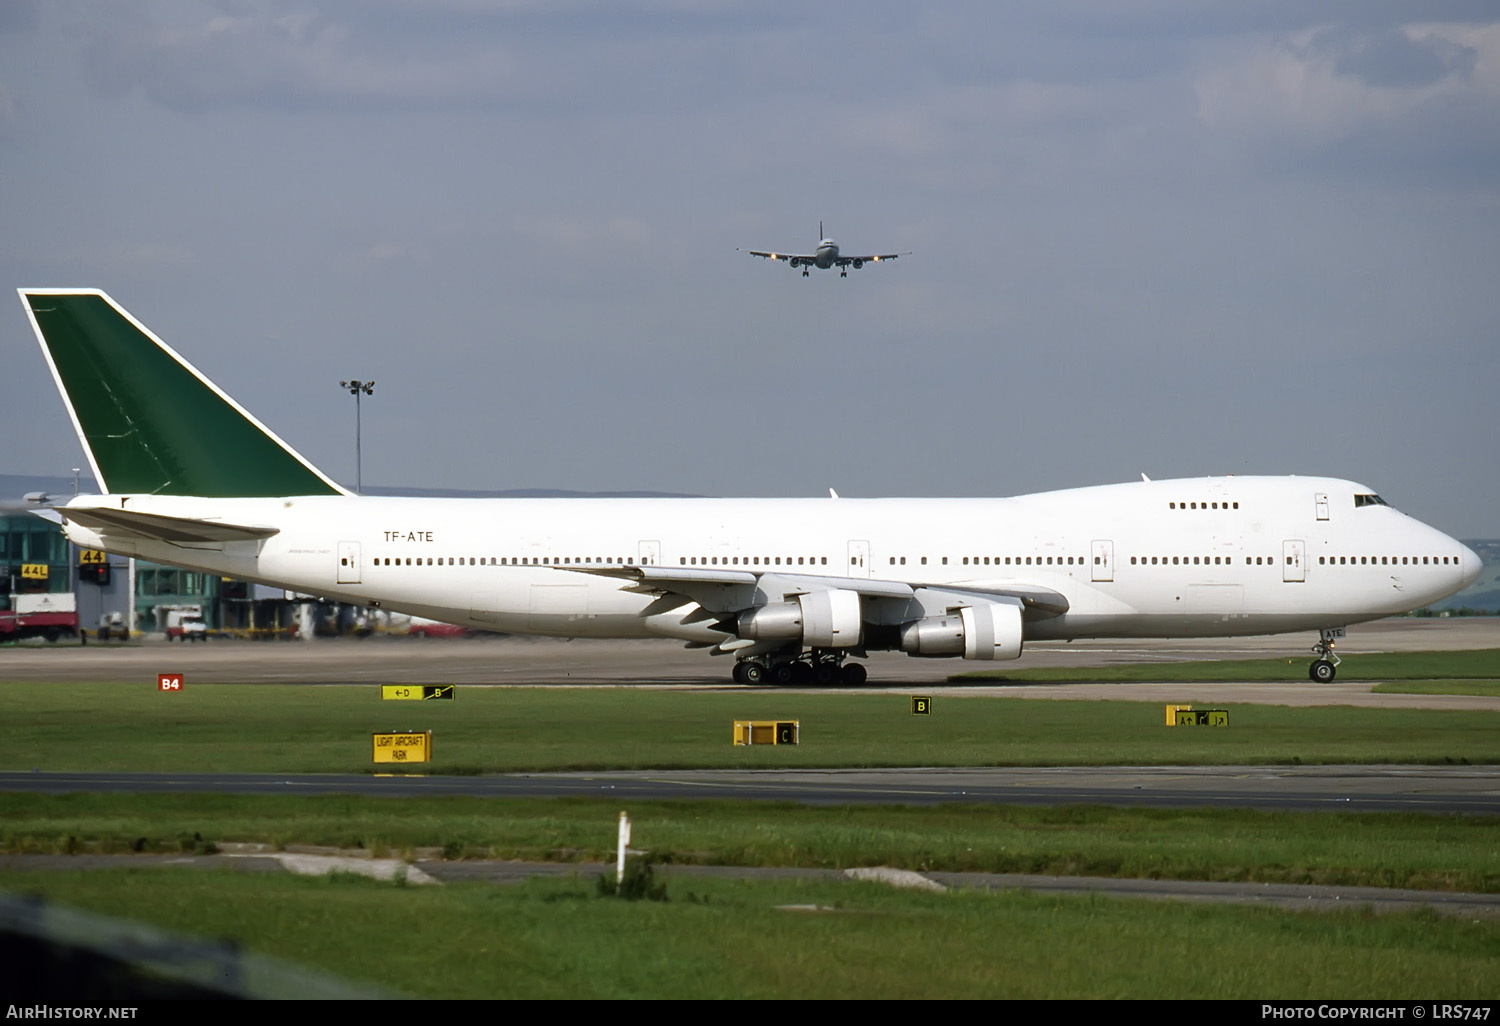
(1394, 58)
(287, 60)
(1421, 99)
(20, 15)
(397, 56)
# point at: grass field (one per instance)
(1429, 852)
(275, 728)
(736, 939)
(1482, 688)
(1478, 664)
(720, 938)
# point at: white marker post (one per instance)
(624, 843)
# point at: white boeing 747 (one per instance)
(826, 256)
(793, 589)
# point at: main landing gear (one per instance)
(1324, 667)
(811, 668)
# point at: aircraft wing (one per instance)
(782, 256)
(845, 261)
(724, 590)
(130, 524)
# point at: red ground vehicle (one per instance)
(43, 615)
(421, 627)
(183, 623)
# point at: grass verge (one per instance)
(1424, 852)
(326, 729)
(735, 939)
(1479, 664)
(1482, 688)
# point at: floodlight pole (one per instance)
(356, 388)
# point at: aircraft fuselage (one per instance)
(1195, 557)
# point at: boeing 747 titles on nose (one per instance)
(792, 590)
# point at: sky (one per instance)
(1170, 237)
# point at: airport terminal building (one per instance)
(54, 589)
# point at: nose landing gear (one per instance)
(1324, 668)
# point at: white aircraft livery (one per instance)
(826, 256)
(794, 589)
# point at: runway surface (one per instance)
(1432, 789)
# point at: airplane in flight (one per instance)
(826, 256)
(793, 590)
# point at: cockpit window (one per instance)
(1369, 500)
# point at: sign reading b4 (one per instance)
(169, 682)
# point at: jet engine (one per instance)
(858, 264)
(794, 262)
(991, 630)
(821, 619)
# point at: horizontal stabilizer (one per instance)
(161, 528)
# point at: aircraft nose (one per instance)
(1469, 565)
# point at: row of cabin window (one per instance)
(896, 560)
(1324, 560)
(997, 560)
(1202, 505)
(752, 560)
(1383, 560)
(1196, 560)
(502, 561)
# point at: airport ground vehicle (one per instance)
(49, 615)
(184, 623)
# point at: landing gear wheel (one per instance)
(783, 673)
(738, 673)
(802, 672)
(853, 674)
(1326, 664)
(751, 673)
(826, 672)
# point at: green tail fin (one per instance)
(147, 419)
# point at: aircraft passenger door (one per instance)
(348, 563)
(1292, 559)
(1321, 500)
(650, 553)
(859, 559)
(1103, 563)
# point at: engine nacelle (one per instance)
(821, 619)
(934, 636)
(988, 631)
(858, 264)
(794, 262)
